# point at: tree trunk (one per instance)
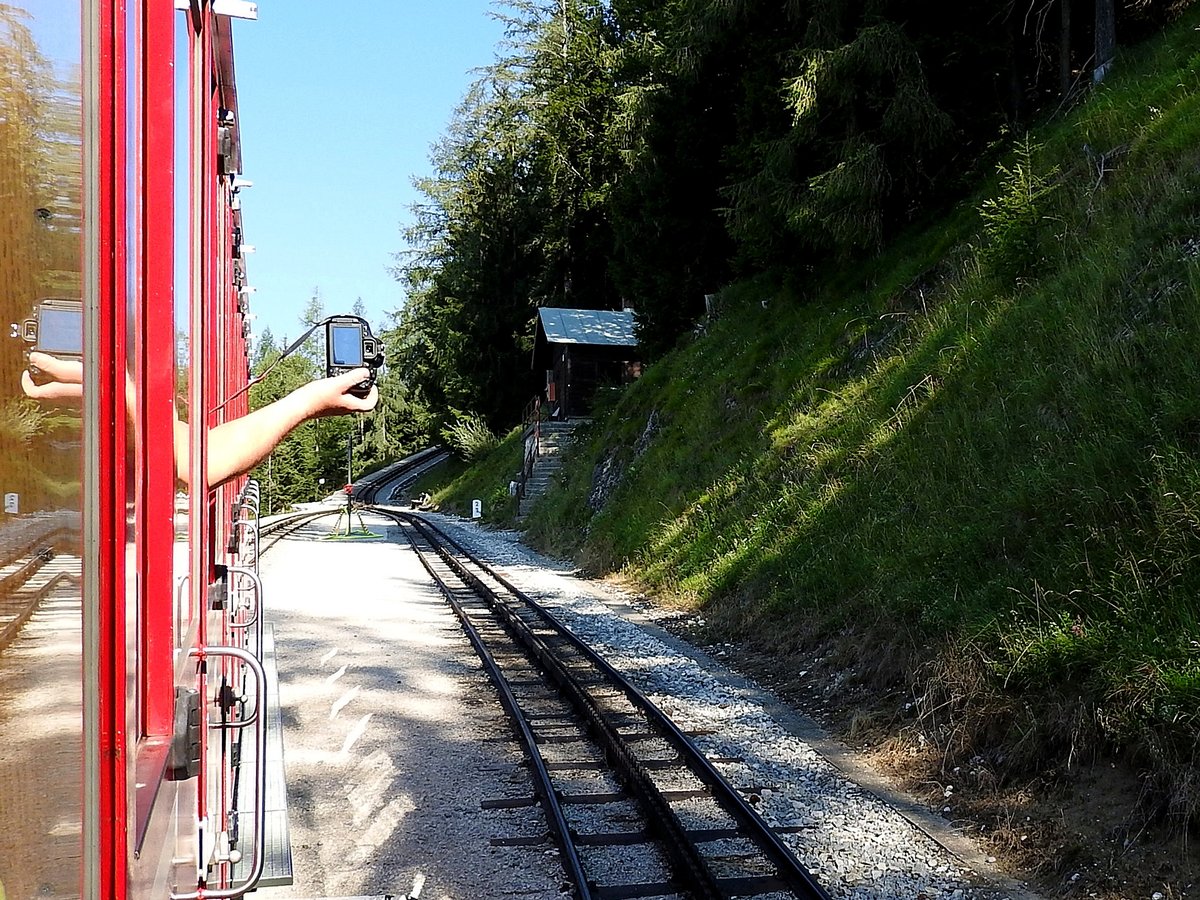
(1106, 38)
(1015, 94)
(1064, 48)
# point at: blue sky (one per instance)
(339, 105)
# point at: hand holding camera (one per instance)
(350, 346)
(339, 394)
(54, 332)
(51, 378)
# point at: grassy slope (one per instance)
(487, 481)
(985, 448)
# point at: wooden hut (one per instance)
(581, 350)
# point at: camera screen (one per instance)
(60, 330)
(347, 345)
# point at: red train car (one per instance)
(128, 600)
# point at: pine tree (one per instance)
(292, 468)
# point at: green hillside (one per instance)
(976, 460)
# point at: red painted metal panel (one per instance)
(134, 831)
(107, 490)
(157, 359)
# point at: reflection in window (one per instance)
(41, 183)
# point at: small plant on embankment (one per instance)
(979, 453)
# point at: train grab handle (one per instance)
(260, 780)
(256, 619)
(251, 527)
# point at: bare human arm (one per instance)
(64, 382)
(236, 447)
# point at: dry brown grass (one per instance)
(1027, 777)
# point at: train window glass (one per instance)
(182, 305)
(41, 451)
(152, 241)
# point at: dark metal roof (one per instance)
(594, 327)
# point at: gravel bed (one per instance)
(25, 529)
(856, 844)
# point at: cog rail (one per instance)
(595, 742)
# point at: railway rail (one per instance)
(31, 569)
(270, 533)
(382, 486)
(633, 807)
(29, 573)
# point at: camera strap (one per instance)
(295, 345)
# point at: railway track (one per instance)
(374, 488)
(270, 533)
(633, 808)
(29, 574)
(382, 486)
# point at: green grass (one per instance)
(358, 534)
(987, 441)
(486, 481)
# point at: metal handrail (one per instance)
(253, 529)
(180, 584)
(257, 619)
(260, 780)
(251, 522)
(532, 418)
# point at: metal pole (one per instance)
(349, 476)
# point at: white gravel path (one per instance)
(392, 738)
(391, 735)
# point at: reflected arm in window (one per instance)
(56, 379)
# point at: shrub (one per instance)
(470, 438)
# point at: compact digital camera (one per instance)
(56, 327)
(349, 345)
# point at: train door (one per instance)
(164, 692)
(190, 813)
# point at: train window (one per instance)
(182, 306)
(150, 214)
(41, 450)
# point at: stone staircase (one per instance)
(555, 436)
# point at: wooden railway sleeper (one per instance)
(542, 783)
